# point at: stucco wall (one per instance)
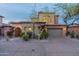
(26, 25)
(51, 17)
(74, 28)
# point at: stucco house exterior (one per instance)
(54, 29)
(3, 27)
(49, 19)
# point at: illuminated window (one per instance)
(30, 29)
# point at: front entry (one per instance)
(17, 31)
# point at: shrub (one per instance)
(24, 36)
(37, 36)
(77, 36)
(29, 34)
(43, 34)
(72, 34)
(67, 33)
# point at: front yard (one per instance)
(49, 47)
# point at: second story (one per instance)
(49, 17)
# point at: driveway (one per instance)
(53, 47)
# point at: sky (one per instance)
(23, 11)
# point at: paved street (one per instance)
(51, 47)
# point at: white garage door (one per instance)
(55, 33)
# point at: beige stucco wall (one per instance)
(52, 18)
(74, 28)
(26, 25)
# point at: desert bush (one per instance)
(77, 36)
(23, 33)
(43, 34)
(72, 34)
(24, 36)
(67, 33)
(29, 34)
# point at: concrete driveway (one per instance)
(53, 47)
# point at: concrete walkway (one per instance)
(53, 47)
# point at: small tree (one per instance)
(71, 12)
(44, 32)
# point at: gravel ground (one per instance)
(49, 47)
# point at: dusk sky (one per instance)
(23, 11)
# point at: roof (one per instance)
(2, 16)
(46, 12)
(57, 25)
(34, 17)
(25, 22)
(57, 15)
(74, 26)
(5, 25)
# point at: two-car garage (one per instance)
(55, 32)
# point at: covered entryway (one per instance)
(55, 32)
(17, 31)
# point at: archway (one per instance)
(17, 31)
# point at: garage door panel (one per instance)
(54, 33)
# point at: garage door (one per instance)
(55, 33)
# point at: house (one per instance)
(27, 26)
(54, 29)
(49, 19)
(3, 27)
